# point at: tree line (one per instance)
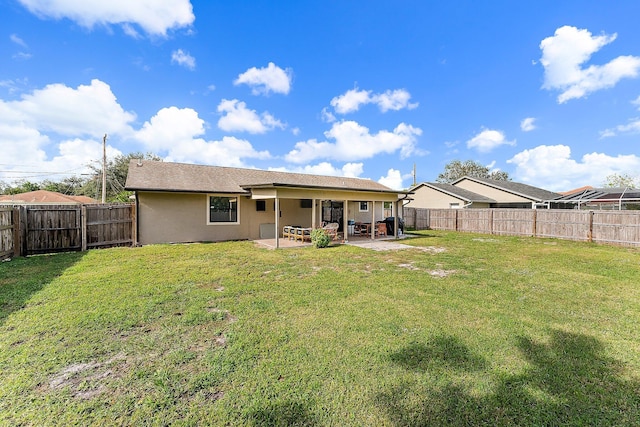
(90, 185)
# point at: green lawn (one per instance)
(464, 329)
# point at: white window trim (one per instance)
(360, 207)
(208, 201)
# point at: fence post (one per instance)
(456, 226)
(83, 227)
(535, 220)
(490, 221)
(590, 235)
(15, 219)
(134, 225)
(22, 230)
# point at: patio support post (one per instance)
(345, 220)
(277, 213)
(313, 213)
(373, 219)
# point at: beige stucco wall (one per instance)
(490, 192)
(426, 197)
(182, 217)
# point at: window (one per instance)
(306, 203)
(454, 205)
(261, 205)
(364, 206)
(223, 210)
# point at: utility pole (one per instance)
(414, 175)
(104, 169)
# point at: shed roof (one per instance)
(457, 192)
(524, 190)
(182, 177)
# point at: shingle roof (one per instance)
(44, 196)
(181, 177)
(452, 190)
(528, 191)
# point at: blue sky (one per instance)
(548, 91)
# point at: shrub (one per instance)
(320, 238)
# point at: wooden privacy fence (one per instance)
(37, 229)
(614, 227)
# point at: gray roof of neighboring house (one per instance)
(524, 190)
(181, 177)
(452, 190)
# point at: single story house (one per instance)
(434, 195)
(507, 194)
(179, 202)
(44, 197)
(472, 192)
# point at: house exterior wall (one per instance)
(428, 198)
(499, 196)
(165, 217)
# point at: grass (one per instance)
(462, 330)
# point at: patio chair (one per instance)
(332, 230)
(381, 229)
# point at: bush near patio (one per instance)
(463, 329)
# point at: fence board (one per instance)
(613, 227)
(618, 227)
(564, 224)
(7, 243)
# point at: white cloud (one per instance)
(176, 132)
(551, 167)
(567, 50)
(487, 140)
(392, 180)
(394, 100)
(87, 110)
(17, 40)
(170, 127)
(632, 127)
(238, 118)
(355, 142)
(155, 17)
(528, 124)
(230, 151)
(266, 80)
(350, 170)
(183, 58)
(353, 99)
(327, 116)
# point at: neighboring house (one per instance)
(599, 199)
(433, 195)
(44, 197)
(179, 202)
(507, 194)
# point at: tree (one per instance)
(117, 170)
(456, 169)
(621, 181)
(21, 186)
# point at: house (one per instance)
(507, 194)
(44, 197)
(599, 199)
(472, 192)
(445, 196)
(179, 202)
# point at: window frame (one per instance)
(227, 196)
(360, 209)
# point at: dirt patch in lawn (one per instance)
(87, 380)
